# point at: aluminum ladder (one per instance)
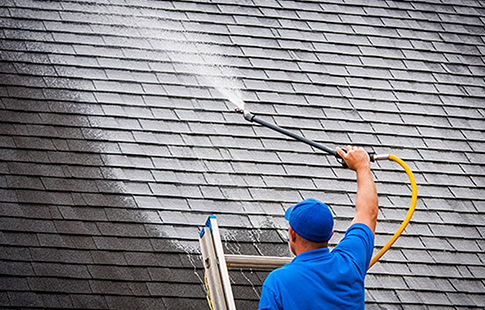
(216, 264)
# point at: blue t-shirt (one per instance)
(320, 279)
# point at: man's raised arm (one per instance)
(366, 206)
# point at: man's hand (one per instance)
(355, 157)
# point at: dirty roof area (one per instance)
(118, 137)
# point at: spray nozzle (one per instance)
(247, 115)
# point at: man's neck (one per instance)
(306, 249)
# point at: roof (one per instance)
(118, 139)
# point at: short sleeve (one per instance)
(358, 244)
(268, 296)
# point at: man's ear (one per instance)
(292, 235)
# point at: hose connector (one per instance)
(376, 157)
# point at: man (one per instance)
(317, 278)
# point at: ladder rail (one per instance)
(226, 282)
(212, 274)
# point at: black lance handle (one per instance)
(252, 118)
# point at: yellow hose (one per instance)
(414, 200)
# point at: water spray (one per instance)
(373, 157)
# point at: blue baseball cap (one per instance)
(311, 219)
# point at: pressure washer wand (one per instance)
(252, 118)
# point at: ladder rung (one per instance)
(254, 261)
